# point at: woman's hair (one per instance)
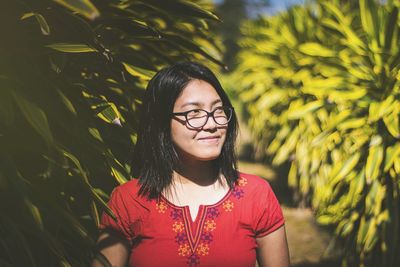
(154, 157)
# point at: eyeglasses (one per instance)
(197, 118)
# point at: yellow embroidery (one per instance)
(161, 207)
(203, 249)
(228, 205)
(242, 181)
(178, 227)
(210, 225)
(184, 250)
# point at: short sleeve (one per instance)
(127, 216)
(268, 215)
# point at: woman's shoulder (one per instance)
(130, 187)
(128, 193)
(253, 182)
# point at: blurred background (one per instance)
(315, 84)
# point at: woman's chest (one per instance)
(221, 235)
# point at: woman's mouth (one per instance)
(210, 139)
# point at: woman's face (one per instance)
(203, 143)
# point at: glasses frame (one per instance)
(209, 114)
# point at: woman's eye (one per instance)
(194, 113)
(219, 110)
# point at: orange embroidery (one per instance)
(228, 205)
(178, 227)
(186, 247)
(242, 181)
(161, 207)
(210, 225)
(203, 249)
(184, 250)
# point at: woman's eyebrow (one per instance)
(198, 104)
(191, 104)
(217, 101)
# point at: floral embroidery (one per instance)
(238, 193)
(181, 238)
(210, 225)
(204, 236)
(178, 227)
(161, 206)
(193, 260)
(184, 250)
(212, 213)
(242, 181)
(228, 205)
(202, 249)
(176, 214)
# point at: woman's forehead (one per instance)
(198, 93)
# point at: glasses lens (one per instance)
(197, 118)
(222, 115)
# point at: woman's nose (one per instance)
(210, 123)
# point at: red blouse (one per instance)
(223, 234)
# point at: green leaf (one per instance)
(351, 124)
(360, 182)
(286, 148)
(141, 73)
(316, 49)
(67, 102)
(391, 27)
(391, 121)
(119, 176)
(86, 180)
(292, 176)
(71, 48)
(96, 134)
(84, 7)
(369, 19)
(268, 100)
(44, 27)
(117, 170)
(34, 210)
(362, 230)
(392, 152)
(35, 116)
(374, 161)
(348, 166)
(299, 112)
(324, 219)
(379, 109)
(109, 113)
(371, 236)
(347, 228)
(184, 8)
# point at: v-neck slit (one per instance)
(194, 228)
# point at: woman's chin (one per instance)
(209, 156)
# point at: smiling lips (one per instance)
(210, 139)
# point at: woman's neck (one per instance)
(201, 173)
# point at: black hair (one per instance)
(154, 157)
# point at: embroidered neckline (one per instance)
(193, 244)
(226, 196)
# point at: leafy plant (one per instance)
(322, 88)
(71, 78)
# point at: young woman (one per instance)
(189, 206)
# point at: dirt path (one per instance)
(308, 242)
